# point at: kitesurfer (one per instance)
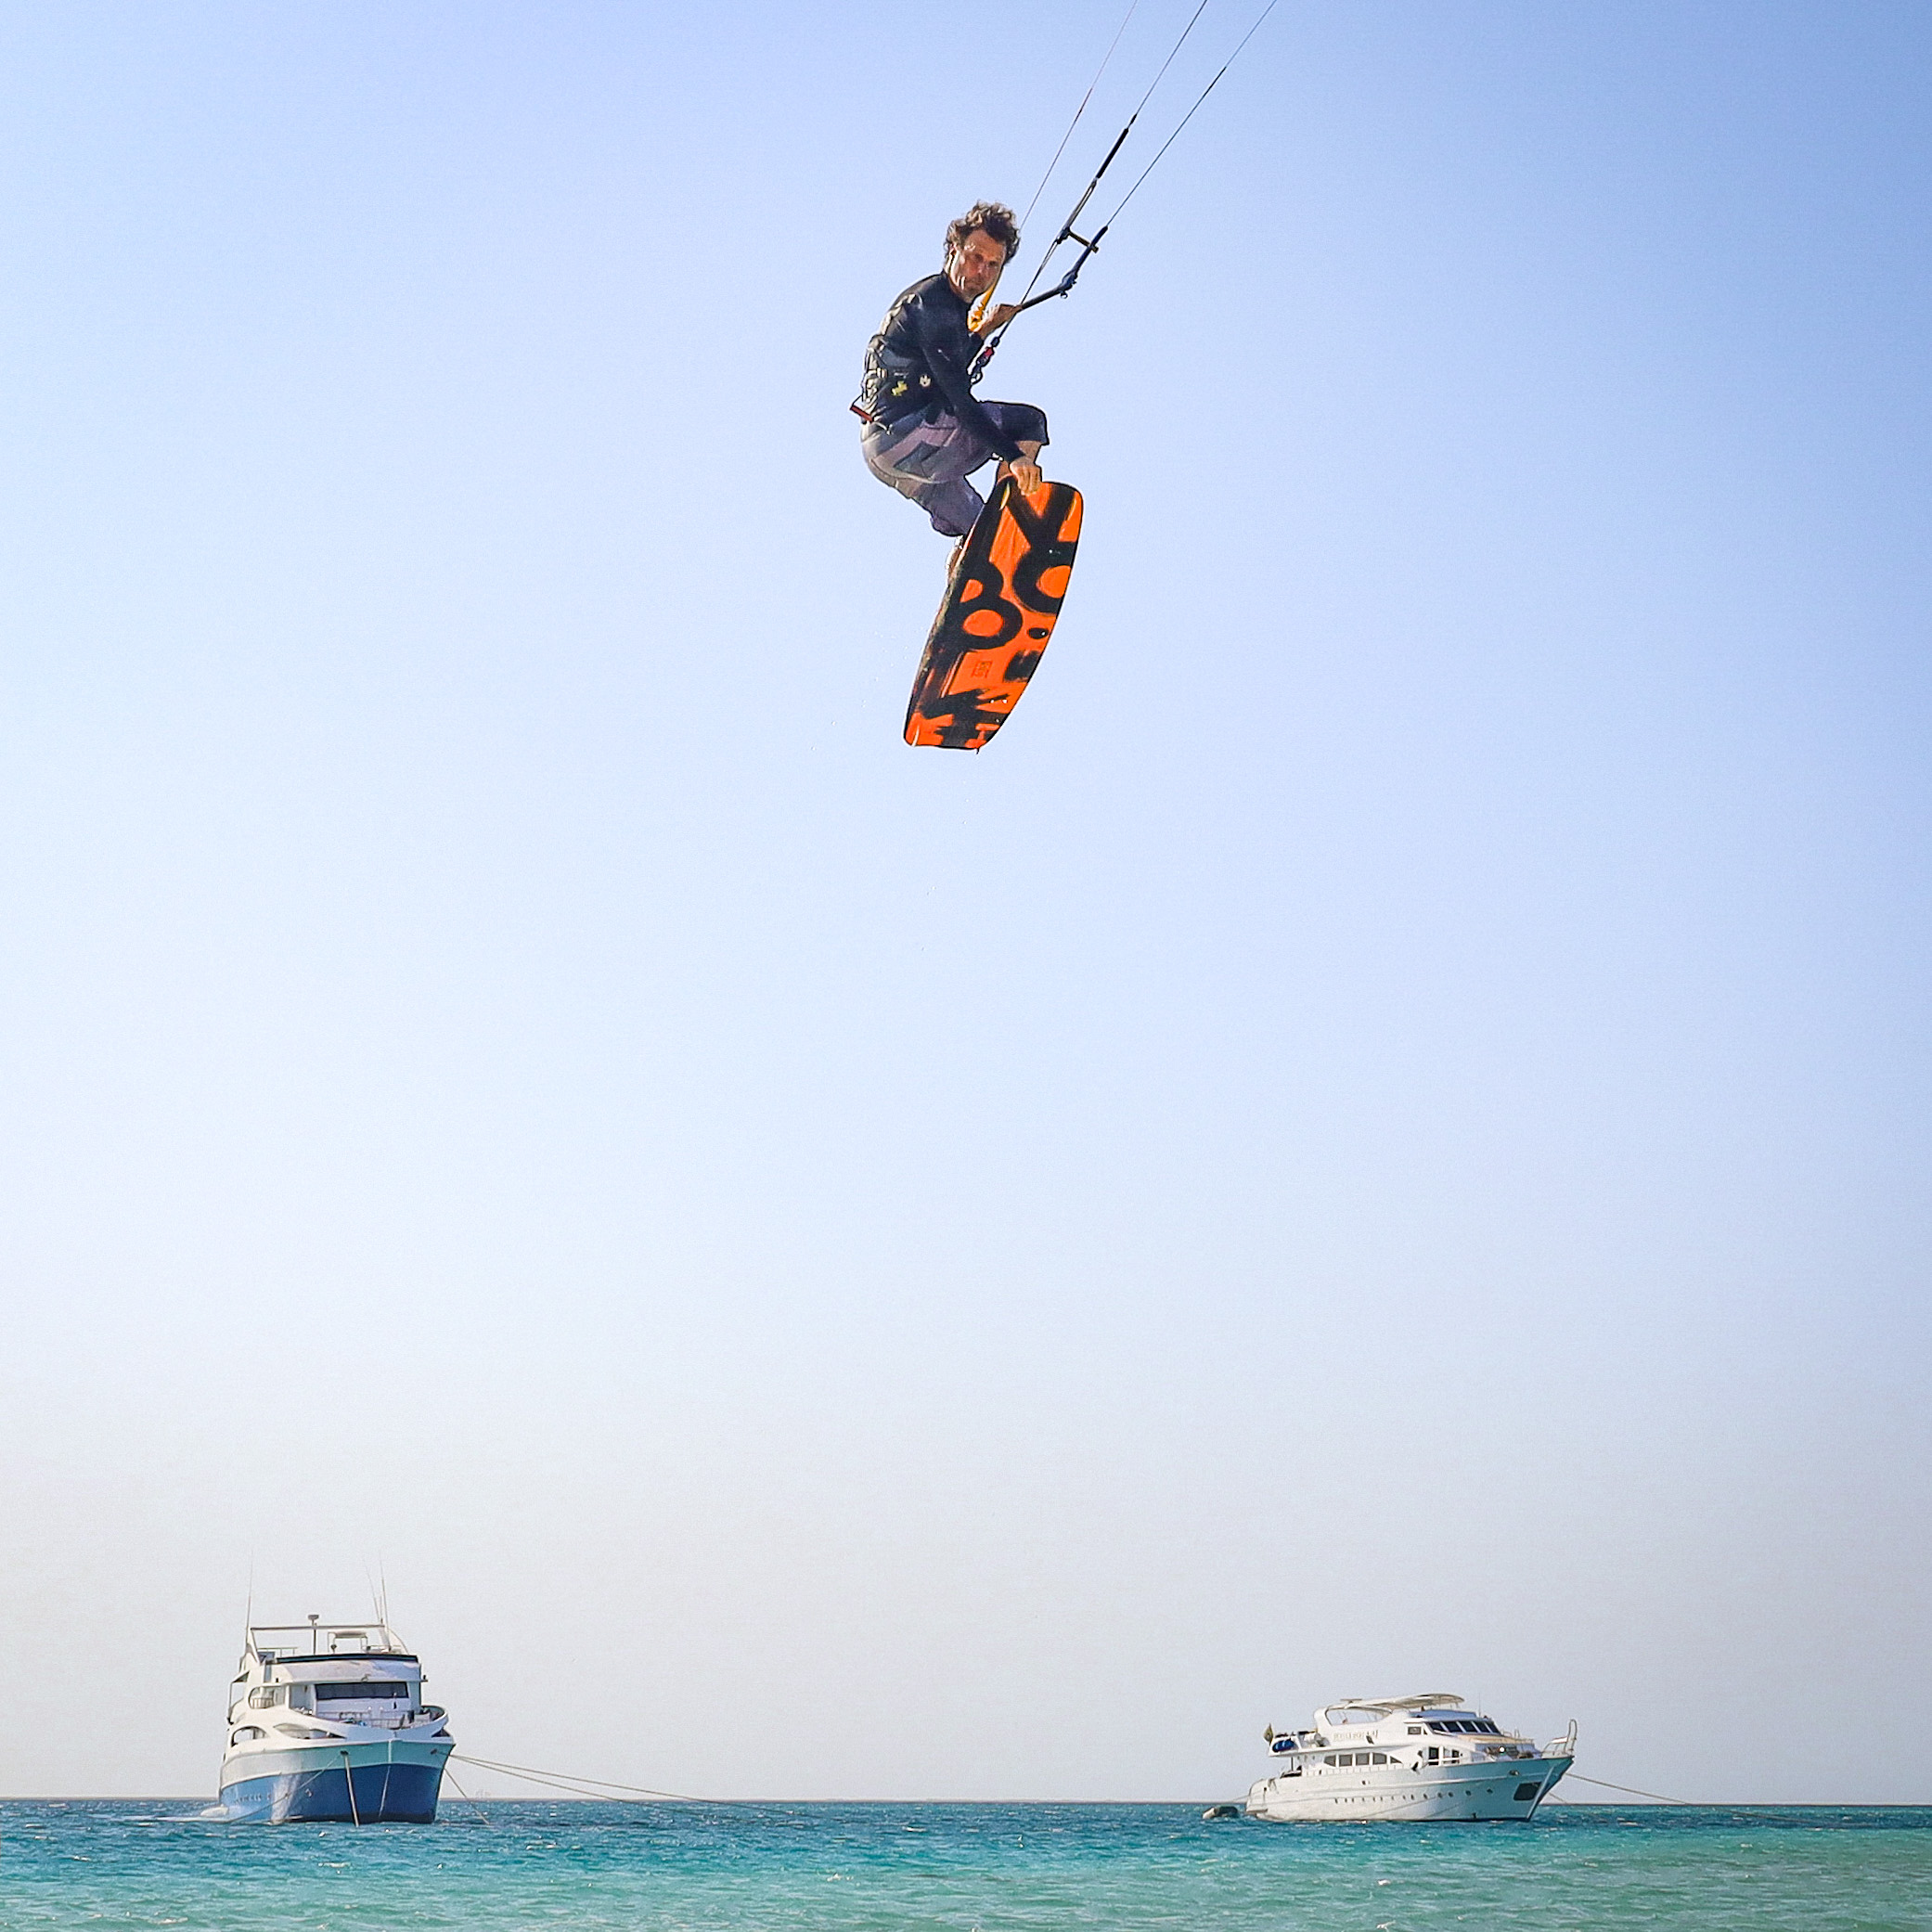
(925, 432)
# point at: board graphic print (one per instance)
(1000, 607)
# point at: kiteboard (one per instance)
(1001, 604)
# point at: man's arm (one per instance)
(936, 345)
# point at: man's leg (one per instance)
(930, 462)
(1024, 424)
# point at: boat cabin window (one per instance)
(1461, 1724)
(376, 1688)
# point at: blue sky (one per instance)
(1375, 1141)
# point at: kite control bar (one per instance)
(1031, 300)
(1064, 287)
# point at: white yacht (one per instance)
(327, 1721)
(1429, 1756)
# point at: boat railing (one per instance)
(391, 1720)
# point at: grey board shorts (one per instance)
(929, 461)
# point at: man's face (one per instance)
(975, 264)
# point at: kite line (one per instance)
(1028, 299)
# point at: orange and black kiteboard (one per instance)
(1000, 607)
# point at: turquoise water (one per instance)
(556, 1867)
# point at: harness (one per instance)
(878, 405)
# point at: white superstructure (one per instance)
(1427, 1757)
(327, 1721)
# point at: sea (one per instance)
(554, 1867)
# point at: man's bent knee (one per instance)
(953, 508)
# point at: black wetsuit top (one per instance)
(920, 362)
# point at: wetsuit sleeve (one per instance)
(940, 343)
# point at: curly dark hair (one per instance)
(995, 217)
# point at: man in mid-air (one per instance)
(925, 432)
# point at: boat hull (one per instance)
(1447, 1794)
(348, 1785)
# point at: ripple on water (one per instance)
(967, 1868)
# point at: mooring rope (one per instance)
(1629, 1790)
(566, 1781)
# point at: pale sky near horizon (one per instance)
(1375, 1141)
